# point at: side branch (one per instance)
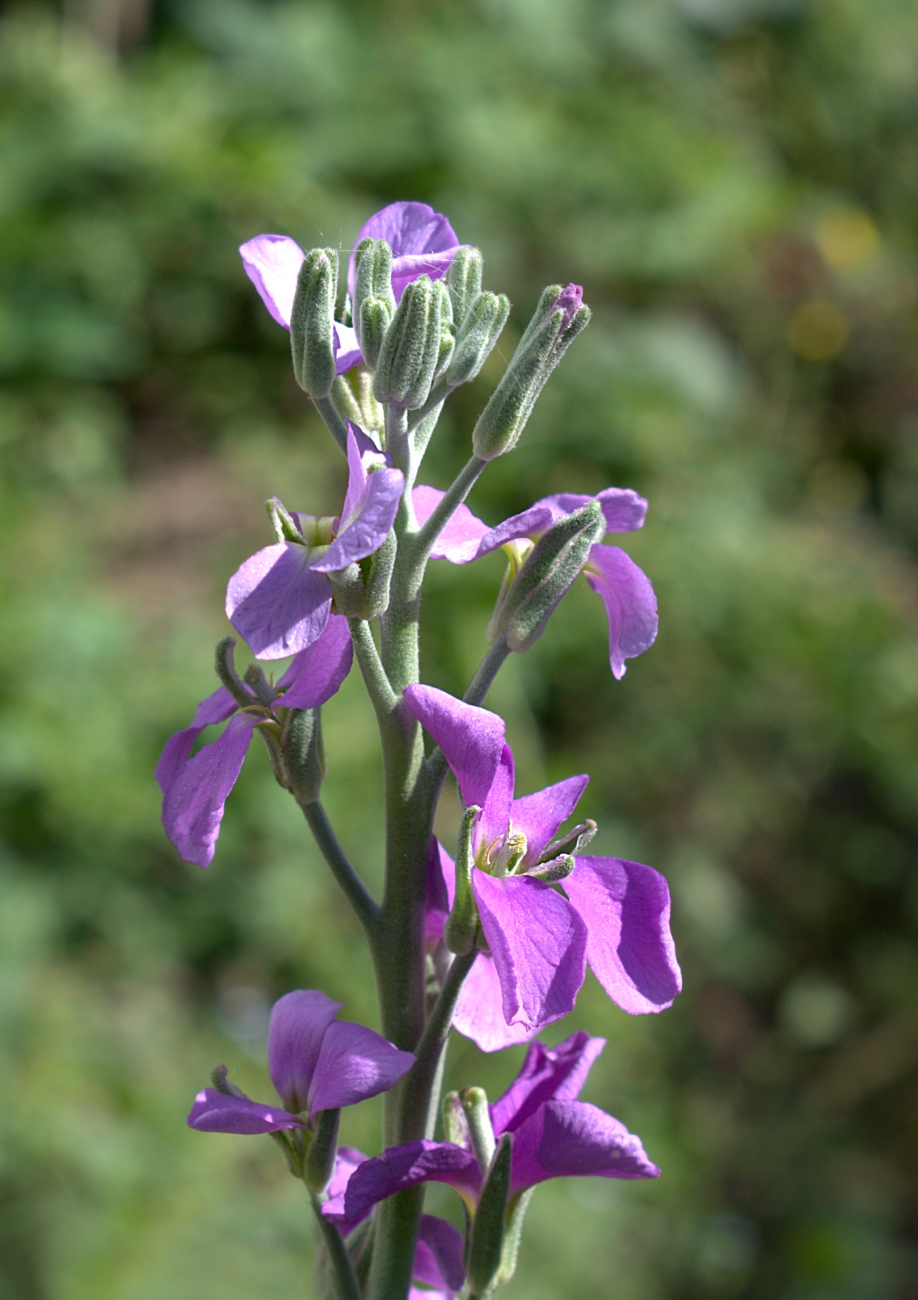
(359, 897)
(379, 688)
(333, 421)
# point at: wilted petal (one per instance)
(317, 672)
(538, 943)
(571, 1138)
(371, 526)
(216, 708)
(277, 602)
(346, 1161)
(625, 906)
(347, 349)
(272, 263)
(193, 802)
(422, 242)
(401, 1167)
(624, 510)
(438, 1260)
(631, 606)
(479, 1013)
(539, 815)
(459, 538)
(472, 739)
(299, 1022)
(218, 1112)
(548, 1074)
(354, 1063)
(495, 814)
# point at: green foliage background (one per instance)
(735, 183)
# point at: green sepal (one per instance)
(551, 566)
(303, 754)
(319, 1161)
(282, 522)
(455, 1124)
(486, 1243)
(476, 339)
(312, 322)
(463, 280)
(408, 356)
(375, 318)
(462, 922)
(372, 275)
(362, 589)
(577, 838)
(512, 1234)
(478, 1117)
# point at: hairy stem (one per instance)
(364, 904)
(418, 1083)
(342, 1272)
(333, 421)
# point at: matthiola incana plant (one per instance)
(494, 938)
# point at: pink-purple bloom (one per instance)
(422, 242)
(316, 1063)
(631, 607)
(554, 1136)
(613, 914)
(195, 789)
(280, 598)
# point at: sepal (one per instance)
(462, 921)
(475, 339)
(319, 1160)
(226, 671)
(478, 1117)
(303, 754)
(463, 280)
(312, 322)
(411, 349)
(362, 589)
(486, 1241)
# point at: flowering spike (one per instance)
(304, 765)
(551, 566)
(463, 918)
(486, 1242)
(319, 1162)
(312, 322)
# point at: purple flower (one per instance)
(272, 263)
(281, 597)
(422, 242)
(316, 1063)
(554, 1136)
(196, 789)
(615, 914)
(631, 606)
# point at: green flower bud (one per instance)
(373, 278)
(303, 754)
(480, 331)
(410, 351)
(486, 1242)
(319, 1162)
(374, 318)
(463, 280)
(312, 322)
(547, 337)
(528, 601)
(462, 922)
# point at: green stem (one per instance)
(458, 490)
(379, 688)
(345, 1284)
(488, 669)
(364, 904)
(418, 1083)
(333, 421)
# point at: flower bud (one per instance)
(463, 280)
(486, 1242)
(480, 331)
(410, 351)
(312, 322)
(462, 922)
(373, 277)
(319, 1162)
(303, 754)
(362, 589)
(527, 603)
(554, 326)
(374, 320)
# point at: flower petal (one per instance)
(539, 815)
(401, 1167)
(299, 1022)
(346, 1161)
(409, 228)
(216, 708)
(625, 906)
(441, 889)
(495, 814)
(317, 672)
(272, 263)
(630, 604)
(571, 1138)
(479, 1010)
(193, 802)
(548, 1074)
(531, 523)
(438, 1260)
(370, 527)
(347, 349)
(276, 601)
(624, 510)
(354, 1063)
(538, 943)
(472, 739)
(459, 538)
(218, 1112)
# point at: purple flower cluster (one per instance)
(510, 926)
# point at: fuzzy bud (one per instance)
(312, 322)
(362, 589)
(411, 349)
(480, 330)
(463, 280)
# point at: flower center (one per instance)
(502, 857)
(517, 553)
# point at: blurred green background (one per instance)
(735, 183)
